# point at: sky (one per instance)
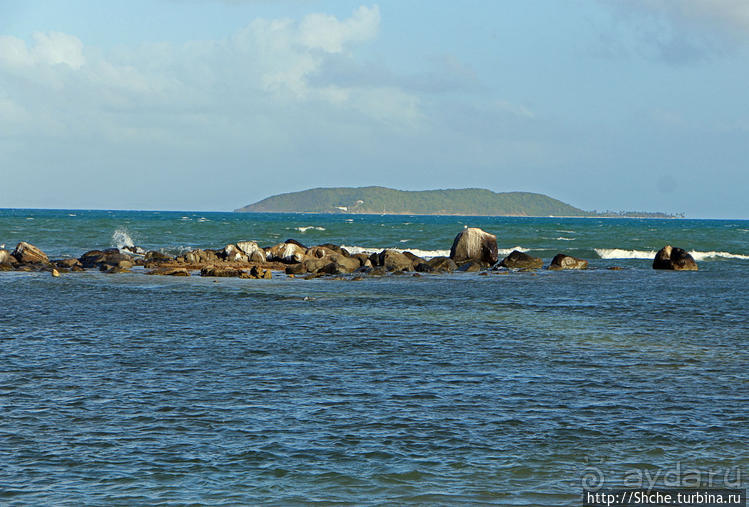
(212, 105)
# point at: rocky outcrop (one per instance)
(198, 257)
(231, 253)
(674, 258)
(471, 267)
(437, 265)
(474, 244)
(251, 249)
(101, 259)
(221, 271)
(562, 261)
(26, 253)
(520, 260)
(393, 260)
(156, 257)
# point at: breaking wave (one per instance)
(121, 239)
(426, 254)
(308, 227)
(618, 253)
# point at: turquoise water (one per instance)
(513, 389)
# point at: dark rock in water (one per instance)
(6, 267)
(296, 269)
(92, 258)
(520, 260)
(562, 261)
(442, 264)
(362, 258)
(415, 259)
(320, 252)
(223, 272)
(474, 244)
(134, 250)
(169, 272)
(26, 253)
(108, 268)
(471, 267)
(157, 257)
(68, 263)
(674, 258)
(394, 261)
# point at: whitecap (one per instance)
(701, 256)
(508, 251)
(426, 254)
(404, 241)
(121, 239)
(308, 227)
(620, 253)
(562, 238)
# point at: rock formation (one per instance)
(474, 244)
(673, 258)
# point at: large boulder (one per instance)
(562, 261)
(474, 244)
(156, 257)
(221, 271)
(286, 252)
(251, 249)
(673, 258)
(198, 257)
(26, 253)
(393, 260)
(101, 259)
(520, 260)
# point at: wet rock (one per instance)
(113, 269)
(26, 253)
(336, 249)
(471, 267)
(415, 259)
(67, 263)
(362, 258)
(320, 252)
(223, 272)
(562, 261)
(474, 244)
(297, 243)
(261, 273)
(520, 260)
(392, 260)
(108, 257)
(134, 250)
(199, 257)
(169, 272)
(55, 273)
(5, 257)
(674, 258)
(251, 249)
(156, 257)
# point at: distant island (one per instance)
(388, 201)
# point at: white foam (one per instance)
(701, 256)
(562, 238)
(508, 251)
(308, 227)
(619, 253)
(121, 239)
(426, 254)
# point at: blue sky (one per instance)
(211, 105)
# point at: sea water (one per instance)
(513, 389)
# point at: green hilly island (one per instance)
(381, 200)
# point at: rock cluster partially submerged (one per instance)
(472, 250)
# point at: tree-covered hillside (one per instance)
(469, 201)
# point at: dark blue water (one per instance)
(513, 389)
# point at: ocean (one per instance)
(511, 389)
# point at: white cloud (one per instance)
(49, 48)
(325, 32)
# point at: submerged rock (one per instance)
(474, 244)
(674, 258)
(26, 253)
(520, 260)
(169, 272)
(562, 261)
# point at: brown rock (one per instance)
(169, 272)
(562, 261)
(392, 260)
(26, 253)
(223, 272)
(520, 260)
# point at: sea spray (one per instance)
(121, 239)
